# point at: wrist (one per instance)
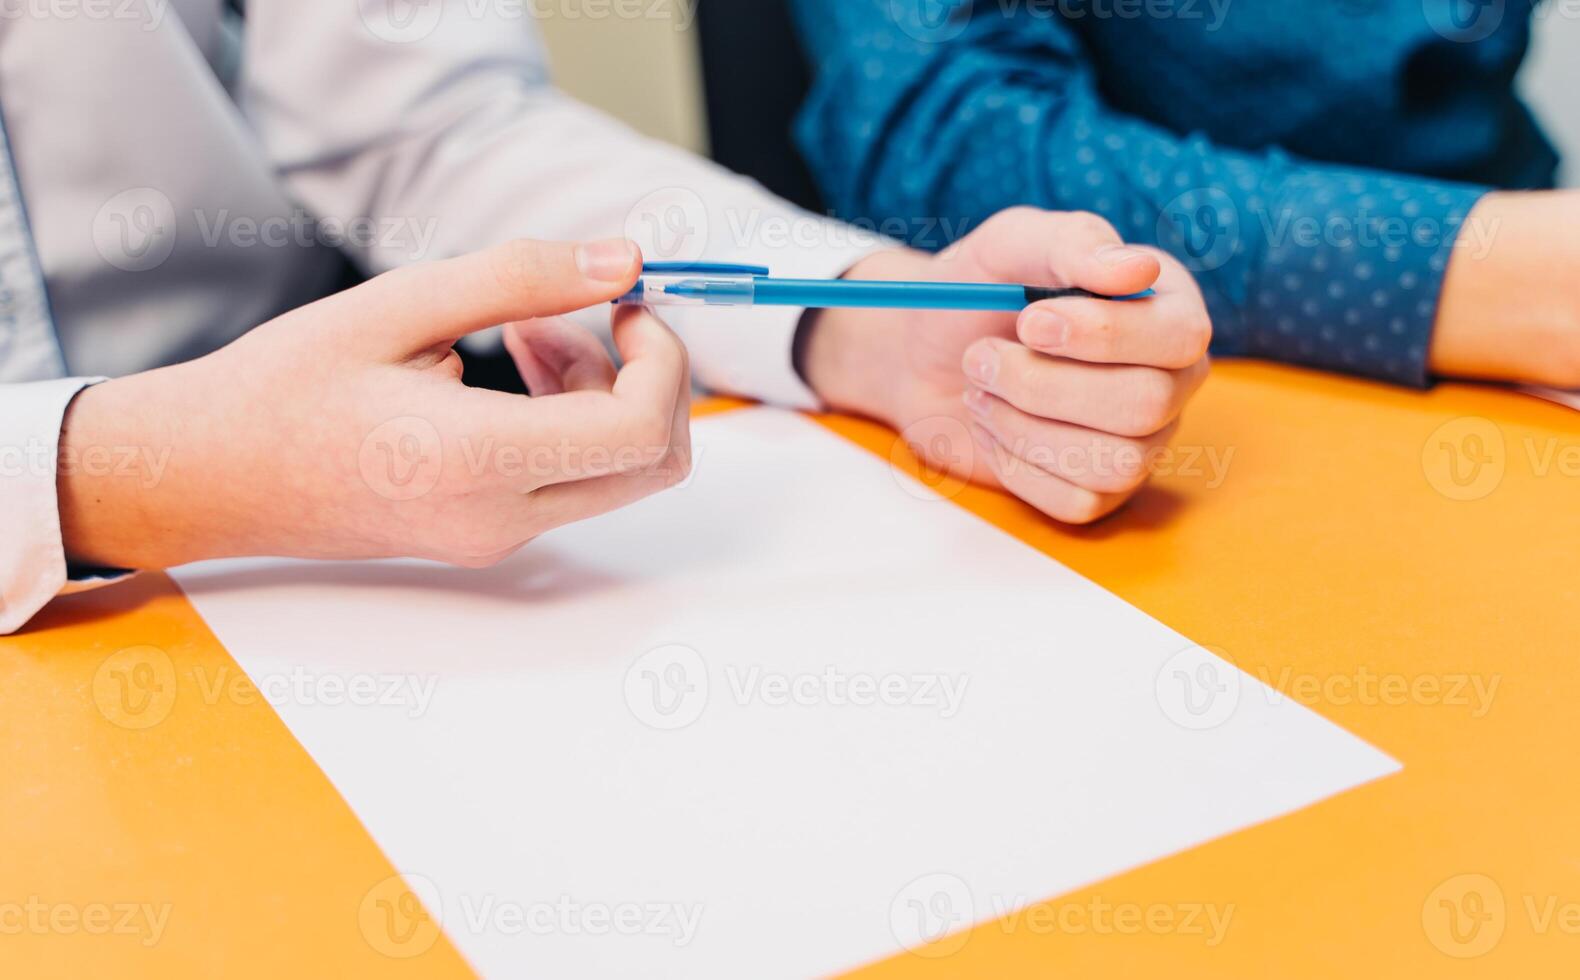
(117, 480)
(848, 357)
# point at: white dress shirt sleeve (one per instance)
(32, 561)
(438, 126)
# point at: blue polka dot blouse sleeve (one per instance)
(928, 123)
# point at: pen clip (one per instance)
(703, 269)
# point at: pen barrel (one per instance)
(864, 294)
(692, 289)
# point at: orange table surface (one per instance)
(1406, 564)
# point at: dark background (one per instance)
(755, 78)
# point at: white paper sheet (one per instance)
(795, 716)
(1559, 395)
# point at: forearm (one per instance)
(1511, 310)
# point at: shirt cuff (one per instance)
(748, 351)
(32, 557)
(1352, 272)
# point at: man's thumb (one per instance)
(421, 306)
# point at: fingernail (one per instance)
(982, 363)
(1115, 256)
(978, 402)
(606, 261)
(1046, 330)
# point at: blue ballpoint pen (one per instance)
(718, 284)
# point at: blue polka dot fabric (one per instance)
(1315, 166)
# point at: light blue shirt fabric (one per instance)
(28, 349)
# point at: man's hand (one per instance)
(1512, 313)
(342, 429)
(1059, 405)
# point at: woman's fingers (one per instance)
(1097, 461)
(1124, 399)
(1168, 330)
(1053, 495)
(1061, 248)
